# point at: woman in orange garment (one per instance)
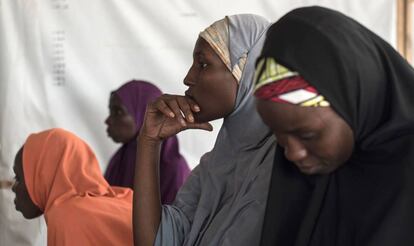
(58, 175)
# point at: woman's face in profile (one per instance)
(23, 202)
(316, 139)
(210, 84)
(121, 125)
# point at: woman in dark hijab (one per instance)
(340, 101)
(127, 108)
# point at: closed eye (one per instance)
(307, 135)
(116, 111)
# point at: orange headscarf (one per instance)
(64, 180)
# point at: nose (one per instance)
(189, 79)
(294, 150)
(107, 120)
(14, 186)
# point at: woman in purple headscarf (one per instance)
(127, 108)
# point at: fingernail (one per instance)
(191, 118)
(183, 122)
(197, 108)
(172, 114)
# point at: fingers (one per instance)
(160, 105)
(186, 109)
(194, 106)
(173, 104)
(180, 107)
(201, 126)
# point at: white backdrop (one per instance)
(59, 60)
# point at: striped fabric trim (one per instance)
(268, 71)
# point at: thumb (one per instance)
(202, 126)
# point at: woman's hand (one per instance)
(169, 115)
(166, 116)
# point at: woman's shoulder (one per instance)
(86, 210)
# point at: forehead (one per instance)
(203, 48)
(115, 100)
(18, 162)
(289, 117)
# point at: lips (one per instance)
(304, 165)
(15, 204)
(188, 94)
(307, 168)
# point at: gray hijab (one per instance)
(224, 199)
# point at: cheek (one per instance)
(23, 200)
(113, 123)
(214, 105)
(206, 89)
(26, 199)
(210, 100)
(218, 81)
(127, 129)
(215, 92)
(345, 147)
(125, 124)
(18, 193)
(335, 148)
(19, 189)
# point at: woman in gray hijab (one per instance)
(224, 198)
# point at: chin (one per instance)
(200, 118)
(115, 139)
(25, 215)
(30, 216)
(314, 170)
(309, 171)
(203, 118)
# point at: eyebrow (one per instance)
(303, 129)
(115, 106)
(295, 130)
(198, 54)
(314, 126)
(14, 166)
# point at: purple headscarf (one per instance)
(174, 170)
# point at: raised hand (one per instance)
(170, 114)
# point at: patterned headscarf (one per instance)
(277, 83)
(217, 35)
